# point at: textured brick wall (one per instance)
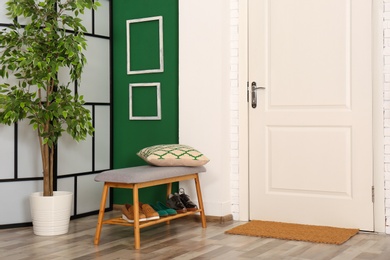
(234, 107)
(386, 106)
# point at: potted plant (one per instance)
(50, 40)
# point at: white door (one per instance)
(310, 132)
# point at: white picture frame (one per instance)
(161, 45)
(158, 92)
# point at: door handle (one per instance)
(254, 87)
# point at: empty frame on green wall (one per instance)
(145, 101)
(145, 45)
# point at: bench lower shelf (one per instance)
(142, 224)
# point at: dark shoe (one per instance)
(190, 206)
(175, 203)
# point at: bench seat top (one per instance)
(146, 173)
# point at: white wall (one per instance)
(204, 83)
(204, 95)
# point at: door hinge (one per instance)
(247, 91)
(372, 194)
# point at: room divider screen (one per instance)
(77, 163)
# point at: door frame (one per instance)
(378, 136)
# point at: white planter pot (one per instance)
(51, 215)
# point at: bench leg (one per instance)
(137, 237)
(169, 191)
(200, 200)
(101, 214)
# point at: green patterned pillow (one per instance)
(172, 155)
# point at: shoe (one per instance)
(162, 206)
(128, 213)
(175, 203)
(149, 212)
(161, 212)
(190, 206)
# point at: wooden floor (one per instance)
(182, 239)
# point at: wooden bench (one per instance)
(140, 177)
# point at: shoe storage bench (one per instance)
(139, 177)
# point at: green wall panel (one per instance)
(129, 136)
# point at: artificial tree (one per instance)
(50, 39)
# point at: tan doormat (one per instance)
(309, 233)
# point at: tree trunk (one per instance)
(47, 163)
